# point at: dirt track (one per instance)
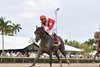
(54, 65)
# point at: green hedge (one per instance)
(42, 60)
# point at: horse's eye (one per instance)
(35, 32)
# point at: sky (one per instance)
(76, 19)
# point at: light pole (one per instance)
(56, 19)
(69, 36)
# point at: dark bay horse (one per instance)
(97, 41)
(47, 46)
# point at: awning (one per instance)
(14, 42)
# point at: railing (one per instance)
(44, 60)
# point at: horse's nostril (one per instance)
(36, 40)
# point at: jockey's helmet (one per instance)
(42, 17)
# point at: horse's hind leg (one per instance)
(64, 54)
(58, 58)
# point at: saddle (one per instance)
(56, 40)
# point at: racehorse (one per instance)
(47, 46)
(97, 41)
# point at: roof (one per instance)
(70, 48)
(14, 42)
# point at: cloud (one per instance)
(51, 4)
(30, 8)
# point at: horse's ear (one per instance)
(36, 26)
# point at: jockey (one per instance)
(47, 25)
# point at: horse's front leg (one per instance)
(38, 55)
(50, 55)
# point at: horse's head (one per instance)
(97, 37)
(39, 32)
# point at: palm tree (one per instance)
(90, 43)
(16, 28)
(4, 26)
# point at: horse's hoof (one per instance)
(68, 62)
(99, 65)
